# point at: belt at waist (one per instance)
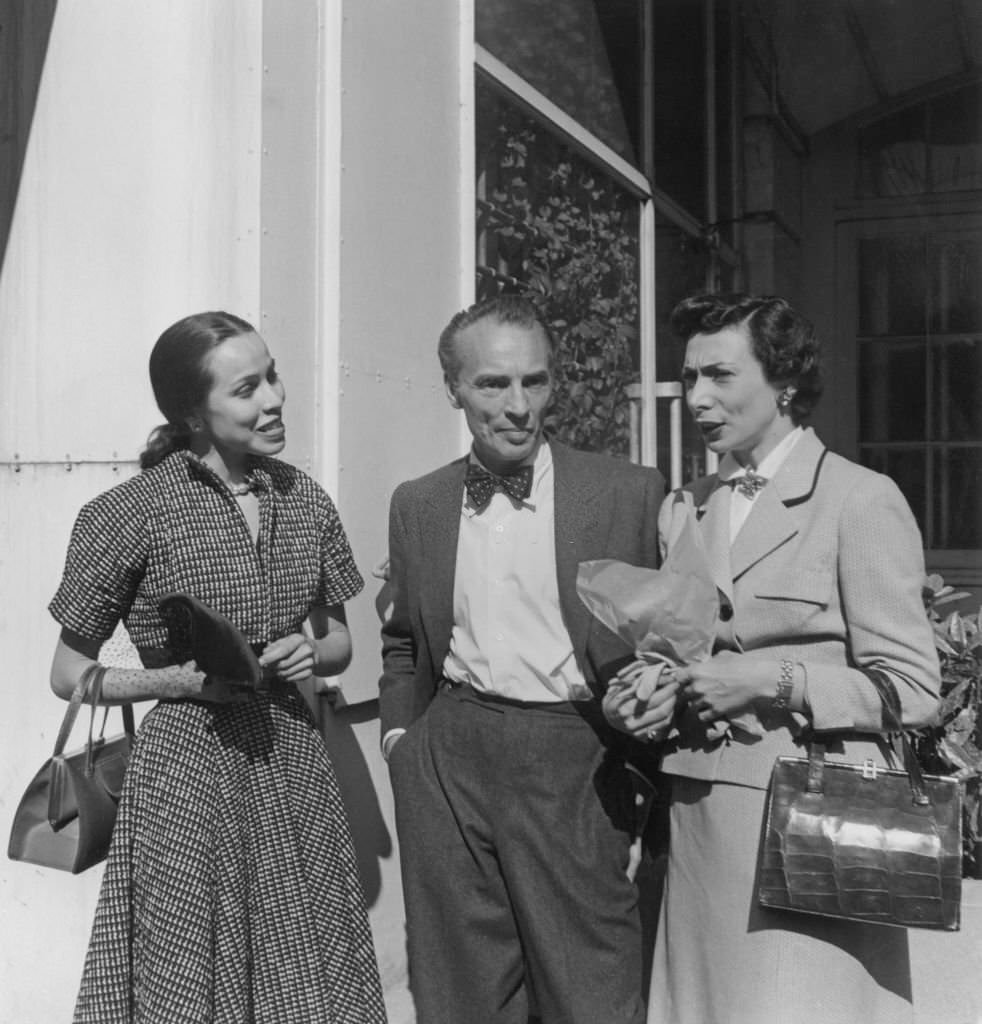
(464, 691)
(164, 657)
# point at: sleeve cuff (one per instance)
(389, 741)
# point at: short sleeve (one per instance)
(103, 569)
(339, 576)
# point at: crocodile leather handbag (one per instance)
(863, 842)
(66, 817)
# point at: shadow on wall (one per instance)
(24, 32)
(340, 725)
(369, 833)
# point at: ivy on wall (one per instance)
(555, 229)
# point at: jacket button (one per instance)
(726, 612)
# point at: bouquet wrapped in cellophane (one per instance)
(666, 615)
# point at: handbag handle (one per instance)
(95, 696)
(893, 726)
(91, 678)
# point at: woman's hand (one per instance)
(725, 685)
(640, 700)
(290, 659)
(326, 650)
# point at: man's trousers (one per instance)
(514, 824)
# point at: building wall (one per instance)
(296, 162)
(772, 197)
(829, 180)
(136, 203)
(403, 270)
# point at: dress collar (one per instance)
(730, 469)
(200, 470)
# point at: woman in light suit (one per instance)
(819, 567)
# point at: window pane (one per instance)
(584, 55)
(892, 394)
(907, 469)
(956, 272)
(892, 285)
(554, 227)
(958, 502)
(957, 389)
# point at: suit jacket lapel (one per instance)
(580, 533)
(768, 526)
(714, 518)
(771, 522)
(439, 531)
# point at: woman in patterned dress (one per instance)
(231, 892)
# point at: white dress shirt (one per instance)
(509, 637)
(730, 471)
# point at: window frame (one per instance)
(650, 199)
(884, 219)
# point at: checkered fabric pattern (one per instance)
(177, 527)
(231, 893)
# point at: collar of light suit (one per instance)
(580, 529)
(772, 521)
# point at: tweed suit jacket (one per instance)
(604, 508)
(827, 571)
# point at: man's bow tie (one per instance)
(481, 485)
(749, 483)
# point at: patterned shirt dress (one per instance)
(231, 893)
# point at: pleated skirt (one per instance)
(721, 959)
(231, 893)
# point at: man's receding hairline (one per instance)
(492, 317)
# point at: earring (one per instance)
(784, 398)
(196, 426)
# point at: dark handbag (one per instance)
(862, 842)
(66, 816)
(198, 632)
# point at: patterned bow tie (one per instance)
(749, 483)
(481, 485)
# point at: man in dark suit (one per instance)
(514, 807)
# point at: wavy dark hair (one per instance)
(180, 377)
(783, 341)
(504, 309)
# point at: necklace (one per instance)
(241, 490)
